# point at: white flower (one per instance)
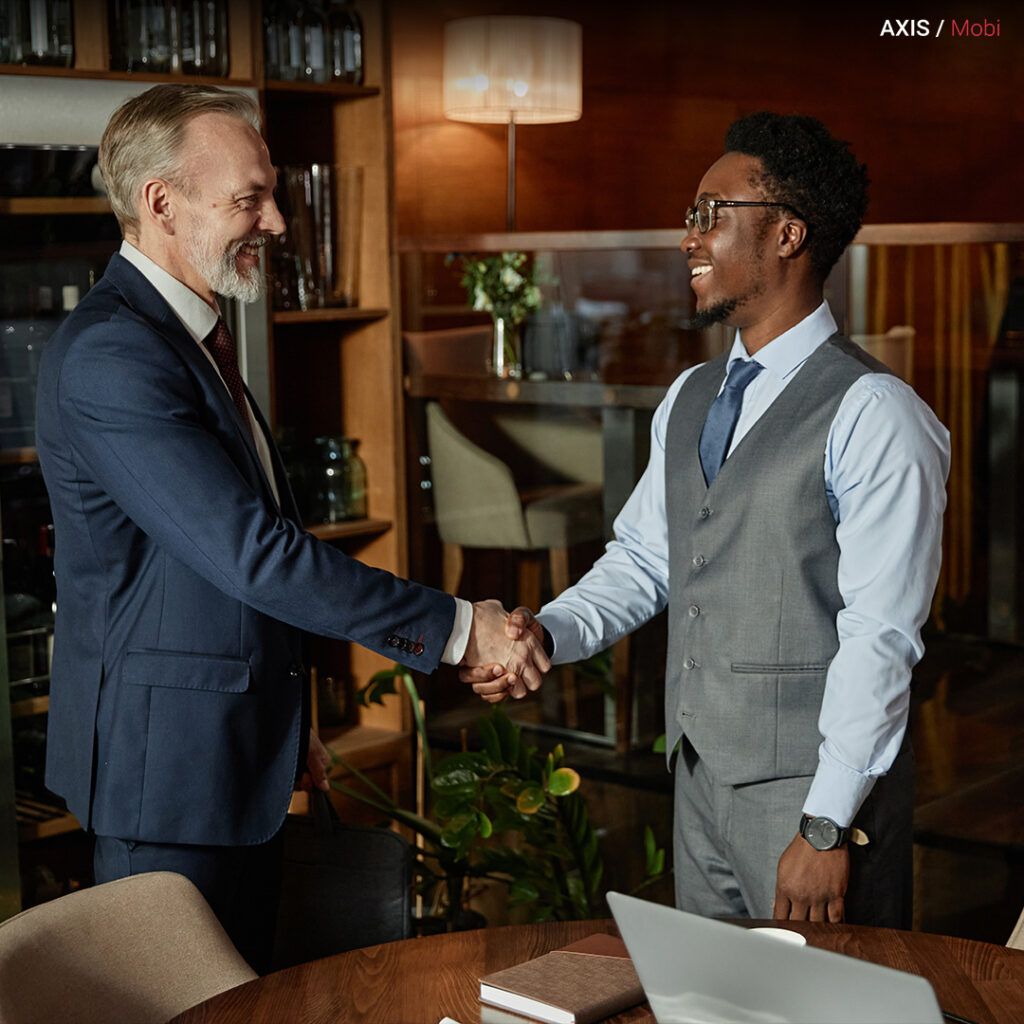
(511, 279)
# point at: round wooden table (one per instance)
(421, 981)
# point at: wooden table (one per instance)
(420, 981)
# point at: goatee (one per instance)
(712, 315)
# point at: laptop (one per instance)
(695, 970)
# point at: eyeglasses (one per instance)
(704, 216)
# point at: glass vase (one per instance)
(505, 349)
(340, 481)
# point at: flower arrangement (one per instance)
(501, 284)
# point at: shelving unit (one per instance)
(330, 371)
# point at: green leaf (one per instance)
(508, 736)
(380, 685)
(489, 738)
(530, 800)
(563, 781)
(484, 826)
(522, 891)
(459, 832)
(449, 805)
(459, 774)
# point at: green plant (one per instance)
(505, 813)
(499, 284)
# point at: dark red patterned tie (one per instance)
(222, 348)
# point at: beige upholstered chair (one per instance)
(1016, 939)
(895, 348)
(477, 505)
(140, 950)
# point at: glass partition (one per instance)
(941, 304)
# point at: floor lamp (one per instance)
(506, 69)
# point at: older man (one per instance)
(178, 720)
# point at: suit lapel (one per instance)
(149, 304)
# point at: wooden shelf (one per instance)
(364, 746)
(30, 706)
(327, 90)
(353, 528)
(48, 71)
(18, 457)
(58, 205)
(327, 315)
(38, 820)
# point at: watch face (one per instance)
(821, 833)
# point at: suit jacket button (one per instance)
(705, 512)
(294, 672)
(393, 641)
(417, 648)
(698, 560)
(694, 611)
(689, 663)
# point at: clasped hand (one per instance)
(505, 654)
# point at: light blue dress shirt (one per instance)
(885, 465)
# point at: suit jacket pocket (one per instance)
(184, 671)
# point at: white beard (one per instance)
(219, 270)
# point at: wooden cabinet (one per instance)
(327, 371)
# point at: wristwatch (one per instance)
(823, 833)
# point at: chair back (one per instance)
(140, 949)
(345, 886)
(895, 348)
(476, 502)
(1016, 939)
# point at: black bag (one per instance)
(344, 886)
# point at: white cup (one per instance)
(782, 935)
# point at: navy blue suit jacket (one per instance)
(176, 705)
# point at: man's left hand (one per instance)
(811, 884)
(318, 761)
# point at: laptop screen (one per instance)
(700, 971)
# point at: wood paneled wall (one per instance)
(937, 120)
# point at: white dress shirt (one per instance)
(885, 465)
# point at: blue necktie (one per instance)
(722, 416)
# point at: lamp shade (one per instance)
(509, 69)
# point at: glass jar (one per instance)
(340, 481)
(46, 32)
(345, 29)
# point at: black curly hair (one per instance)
(811, 172)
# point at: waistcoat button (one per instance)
(689, 663)
(705, 512)
(698, 560)
(694, 611)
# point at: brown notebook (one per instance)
(579, 984)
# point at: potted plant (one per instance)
(504, 812)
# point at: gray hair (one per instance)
(144, 137)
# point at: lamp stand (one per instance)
(510, 220)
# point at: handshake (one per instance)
(505, 654)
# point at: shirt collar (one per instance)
(785, 354)
(194, 313)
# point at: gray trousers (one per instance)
(727, 841)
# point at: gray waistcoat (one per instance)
(753, 560)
